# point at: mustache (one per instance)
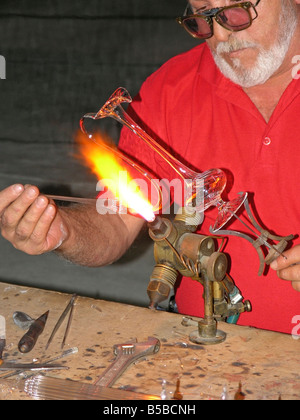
(234, 45)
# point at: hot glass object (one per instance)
(208, 185)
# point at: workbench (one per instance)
(266, 364)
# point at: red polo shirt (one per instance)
(209, 122)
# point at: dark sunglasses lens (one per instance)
(235, 19)
(198, 27)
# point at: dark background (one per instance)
(64, 59)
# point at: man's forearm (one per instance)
(95, 240)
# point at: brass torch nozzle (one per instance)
(161, 282)
(169, 239)
(164, 275)
(158, 228)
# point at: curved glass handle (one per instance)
(113, 109)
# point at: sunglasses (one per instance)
(235, 18)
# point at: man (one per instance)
(232, 103)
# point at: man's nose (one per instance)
(220, 34)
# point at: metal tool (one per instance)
(126, 355)
(178, 250)
(79, 200)
(48, 388)
(64, 354)
(30, 366)
(262, 239)
(22, 320)
(29, 340)
(2, 337)
(69, 308)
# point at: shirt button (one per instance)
(267, 141)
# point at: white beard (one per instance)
(268, 61)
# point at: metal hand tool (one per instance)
(2, 336)
(30, 366)
(261, 239)
(28, 341)
(79, 200)
(126, 355)
(64, 354)
(69, 307)
(22, 320)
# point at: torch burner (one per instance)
(178, 250)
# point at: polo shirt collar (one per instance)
(229, 91)
(223, 87)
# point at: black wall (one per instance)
(63, 59)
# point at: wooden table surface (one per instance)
(265, 363)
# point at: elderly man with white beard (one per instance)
(232, 102)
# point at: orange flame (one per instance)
(103, 160)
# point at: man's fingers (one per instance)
(292, 257)
(296, 285)
(14, 212)
(41, 229)
(28, 222)
(8, 195)
(290, 273)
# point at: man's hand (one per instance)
(29, 221)
(289, 268)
